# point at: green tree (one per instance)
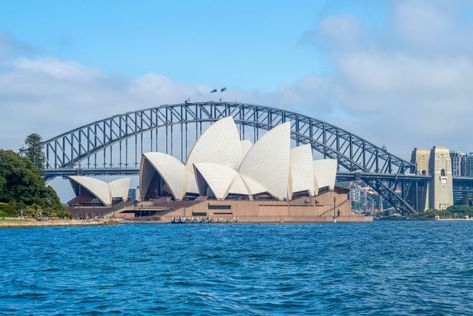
(34, 150)
(454, 211)
(22, 184)
(3, 183)
(432, 213)
(460, 210)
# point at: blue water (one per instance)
(378, 268)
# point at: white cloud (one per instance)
(411, 86)
(337, 32)
(56, 68)
(50, 96)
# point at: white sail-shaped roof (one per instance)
(267, 162)
(102, 190)
(218, 178)
(119, 188)
(245, 147)
(238, 187)
(224, 181)
(302, 169)
(146, 175)
(172, 171)
(221, 164)
(325, 172)
(191, 186)
(253, 186)
(219, 144)
(95, 186)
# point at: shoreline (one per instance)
(454, 219)
(18, 223)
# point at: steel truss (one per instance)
(119, 142)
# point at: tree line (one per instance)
(23, 190)
(454, 211)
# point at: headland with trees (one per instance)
(23, 191)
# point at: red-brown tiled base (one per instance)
(326, 207)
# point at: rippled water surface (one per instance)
(375, 268)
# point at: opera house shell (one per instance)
(221, 166)
(94, 192)
(228, 179)
(225, 179)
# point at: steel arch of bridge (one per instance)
(354, 154)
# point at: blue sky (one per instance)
(248, 44)
(396, 72)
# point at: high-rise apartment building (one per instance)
(458, 163)
(469, 165)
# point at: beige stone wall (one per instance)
(421, 158)
(441, 190)
(304, 209)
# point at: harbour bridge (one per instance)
(113, 146)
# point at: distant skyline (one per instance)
(397, 73)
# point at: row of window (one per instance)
(220, 207)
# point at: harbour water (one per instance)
(378, 268)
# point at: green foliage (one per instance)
(22, 187)
(432, 213)
(8, 210)
(62, 214)
(461, 210)
(34, 150)
(455, 211)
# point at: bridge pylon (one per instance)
(436, 163)
(421, 158)
(441, 189)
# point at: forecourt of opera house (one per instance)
(225, 179)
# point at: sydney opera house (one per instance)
(229, 179)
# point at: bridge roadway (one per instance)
(461, 185)
(341, 176)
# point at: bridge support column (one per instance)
(437, 163)
(441, 190)
(421, 158)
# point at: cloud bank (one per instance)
(48, 95)
(407, 84)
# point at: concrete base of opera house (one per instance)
(329, 206)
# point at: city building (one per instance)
(364, 199)
(356, 193)
(458, 163)
(469, 165)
